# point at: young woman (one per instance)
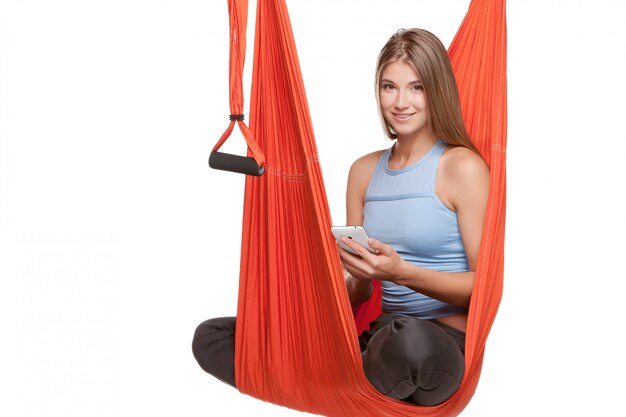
(423, 199)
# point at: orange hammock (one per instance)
(296, 341)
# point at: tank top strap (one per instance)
(380, 169)
(433, 164)
(383, 161)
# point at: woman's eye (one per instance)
(387, 86)
(418, 87)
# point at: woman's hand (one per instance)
(385, 265)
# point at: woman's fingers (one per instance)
(354, 264)
(356, 247)
(380, 247)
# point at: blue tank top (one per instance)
(402, 210)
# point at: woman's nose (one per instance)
(401, 100)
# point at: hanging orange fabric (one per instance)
(296, 340)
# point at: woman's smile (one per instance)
(401, 117)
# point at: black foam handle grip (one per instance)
(235, 163)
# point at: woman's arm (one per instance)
(362, 169)
(467, 185)
(450, 287)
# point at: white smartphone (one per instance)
(356, 233)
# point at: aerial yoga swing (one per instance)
(296, 339)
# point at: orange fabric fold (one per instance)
(296, 340)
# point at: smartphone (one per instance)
(356, 233)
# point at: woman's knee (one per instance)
(213, 347)
(414, 359)
(212, 331)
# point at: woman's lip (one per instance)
(402, 116)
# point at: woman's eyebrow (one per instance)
(385, 80)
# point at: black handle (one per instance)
(235, 163)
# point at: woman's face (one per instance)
(402, 100)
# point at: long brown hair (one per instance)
(425, 53)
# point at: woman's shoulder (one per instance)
(465, 176)
(368, 161)
(459, 162)
(363, 168)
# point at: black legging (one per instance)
(405, 358)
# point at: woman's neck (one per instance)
(408, 150)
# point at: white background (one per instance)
(116, 239)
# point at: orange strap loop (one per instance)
(238, 13)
